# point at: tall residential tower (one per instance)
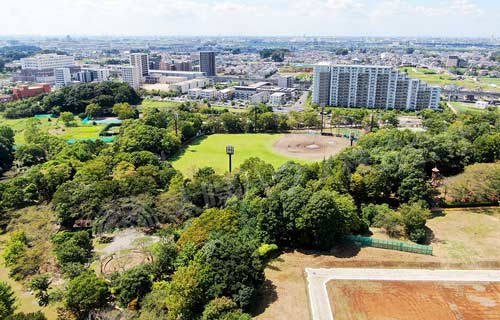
(207, 63)
(363, 86)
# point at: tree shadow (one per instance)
(429, 236)
(195, 142)
(265, 296)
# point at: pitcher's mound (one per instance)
(309, 146)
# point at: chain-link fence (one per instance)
(390, 244)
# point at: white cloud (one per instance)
(235, 17)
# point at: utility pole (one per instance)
(322, 117)
(176, 119)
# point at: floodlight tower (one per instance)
(230, 152)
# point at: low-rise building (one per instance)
(277, 99)
(208, 94)
(225, 94)
(26, 91)
(482, 104)
(194, 93)
(261, 97)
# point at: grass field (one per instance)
(461, 240)
(211, 151)
(487, 84)
(54, 127)
(466, 107)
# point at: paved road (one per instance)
(318, 278)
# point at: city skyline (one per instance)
(398, 18)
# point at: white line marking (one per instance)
(318, 278)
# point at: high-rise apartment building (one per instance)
(132, 76)
(62, 76)
(141, 62)
(363, 86)
(207, 63)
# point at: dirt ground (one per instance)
(376, 300)
(460, 240)
(310, 146)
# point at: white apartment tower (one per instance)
(141, 62)
(62, 76)
(132, 76)
(380, 87)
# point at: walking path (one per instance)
(318, 278)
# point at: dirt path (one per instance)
(318, 278)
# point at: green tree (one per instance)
(93, 110)
(68, 119)
(86, 293)
(223, 308)
(41, 284)
(7, 300)
(124, 111)
(414, 218)
(30, 154)
(188, 291)
(132, 285)
(6, 148)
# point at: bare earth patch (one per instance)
(402, 300)
(130, 247)
(310, 146)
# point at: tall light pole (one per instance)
(230, 152)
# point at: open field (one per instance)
(54, 127)
(462, 107)
(211, 151)
(461, 240)
(407, 300)
(487, 84)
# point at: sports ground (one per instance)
(461, 240)
(276, 149)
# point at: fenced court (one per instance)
(389, 244)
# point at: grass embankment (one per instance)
(211, 151)
(437, 79)
(38, 223)
(462, 107)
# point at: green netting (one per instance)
(390, 244)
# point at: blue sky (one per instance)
(454, 18)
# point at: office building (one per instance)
(132, 76)
(84, 76)
(141, 62)
(207, 63)
(47, 61)
(62, 77)
(285, 82)
(194, 93)
(154, 62)
(261, 97)
(363, 86)
(208, 94)
(225, 94)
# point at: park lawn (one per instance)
(81, 132)
(230, 109)
(462, 107)
(54, 127)
(448, 79)
(149, 103)
(211, 151)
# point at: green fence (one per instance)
(390, 244)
